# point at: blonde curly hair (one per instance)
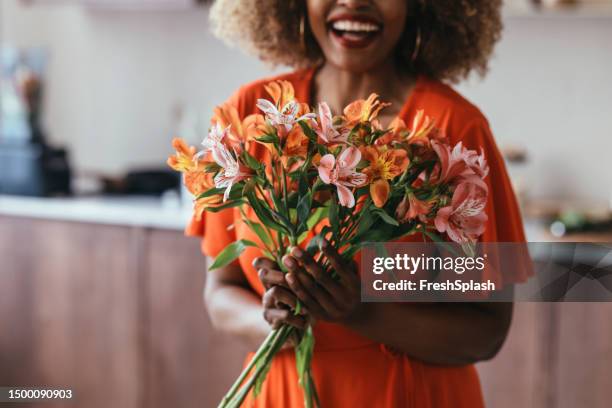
(456, 37)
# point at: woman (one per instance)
(370, 354)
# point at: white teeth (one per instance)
(354, 26)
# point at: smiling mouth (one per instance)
(352, 32)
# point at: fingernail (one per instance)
(325, 244)
(288, 261)
(290, 278)
(297, 252)
(255, 262)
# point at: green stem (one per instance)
(276, 344)
(258, 354)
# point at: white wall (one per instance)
(115, 80)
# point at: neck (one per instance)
(340, 87)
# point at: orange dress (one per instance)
(350, 370)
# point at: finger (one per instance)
(264, 263)
(271, 277)
(308, 261)
(318, 294)
(278, 317)
(279, 298)
(322, 277)
(302, 294)
(345, 273)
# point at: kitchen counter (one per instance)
(152, 212)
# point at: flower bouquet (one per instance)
(343, 179)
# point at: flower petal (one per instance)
(379, 191)
(347, 199)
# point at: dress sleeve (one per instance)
(504, 223)
(216, 229)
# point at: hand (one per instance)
(324, 297)
(279, 302)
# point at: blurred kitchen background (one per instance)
(99, 290)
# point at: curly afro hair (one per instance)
(456, 37)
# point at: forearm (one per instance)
(235, 309)
(442, 333)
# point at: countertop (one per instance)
(151, 212)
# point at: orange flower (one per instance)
(384, 164)
(183, 159)
(411, 208)
(363, 110)
(281, 92)
(397, 132)
(379, 191)
(200, 205)
(423, 130)
(226, 116)
(198, 181)
(296, 145)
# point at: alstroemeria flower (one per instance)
(477, 163)
(281, 92)
(423, 130)
(326, 130)
(411, 208)
(464, 219)
(397, 132)
(341, 173)
(283, 119)
(184, 158)
(363, 110)
(384, 165)
(237, 137)
(214, 139)
(452, 161)
(202, 204)
(231, 170)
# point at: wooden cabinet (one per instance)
(115, 313)
(69, 312)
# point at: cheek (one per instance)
(317, 11)
(394, 13)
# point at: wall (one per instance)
(117, 79)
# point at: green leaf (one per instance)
(438, 240)
(261, 233)
(334, 218)
(225, 206)
(211, 192)
(251, 161)
(303, 208)
(261, 209)
(230, 253)
(308, 131)
(269, 138)
(387, 218)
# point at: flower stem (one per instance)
(258, 354)
(276, 343)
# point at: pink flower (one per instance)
(452, 161)
(464, 219)
(285, 118)
(341, 173)
(231, 171)
(477, 163)
(325, 128)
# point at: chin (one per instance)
(356, 64)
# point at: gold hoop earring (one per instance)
(303, 33)
(417, 46)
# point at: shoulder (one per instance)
(452, 111)
(246, 96)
